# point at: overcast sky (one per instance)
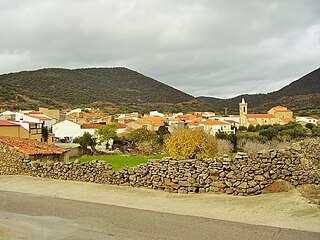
(205, 47)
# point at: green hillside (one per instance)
(103, 87)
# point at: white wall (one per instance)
(67, 129)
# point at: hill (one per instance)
(118, 88)
(300, 95)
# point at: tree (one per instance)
(85, 141)
(45, 133)
(316, 131)
(191, 144)
(310, 125)
(149, 147)
(107, 132)
(242, 128)
(142, 135)
(163, 132)
(296, 131)
(269, 133)
(251, 128)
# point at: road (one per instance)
(31, 216)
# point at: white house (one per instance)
(214, 126)
(28, 116)
(156, 114)
(67, 130)
(307, 120)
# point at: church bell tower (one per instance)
(243, 110)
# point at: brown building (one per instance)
(282, 113)
(12, 129)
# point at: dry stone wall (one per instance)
(241, 175)
(12, 162)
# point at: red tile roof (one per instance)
(92, 125)
(7, 123)
(283, 110)
(31, 147)
(35, 112)
(216, 122)
(279, 107)
(119, 125)
(260, 116)
(39, 117)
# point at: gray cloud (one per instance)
(209, 47)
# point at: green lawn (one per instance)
(119, 162)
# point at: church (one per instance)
(276, 115)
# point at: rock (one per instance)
(229, 191)
(259, 178)
(230, 175)
(243, 185)
(218, 184)
(214, 189)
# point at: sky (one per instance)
(217, 48)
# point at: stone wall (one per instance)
(242, 175)
(12, 162)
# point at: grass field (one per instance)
(119, 162)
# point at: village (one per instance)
(65, 126)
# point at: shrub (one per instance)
(149, 147)
(316, 131)
(189, 143)
(85, 141)
(163, 133)
(242, 128)
(251, 128)
(310, 125)
(142, 135)
(276, 144)
(253, 147)
(269, 133)
(224, 146)
(107, 132)
(230, 137)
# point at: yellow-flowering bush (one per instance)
(191, 144)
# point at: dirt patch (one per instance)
(278, 186)
(311, 192)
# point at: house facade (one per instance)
(305, 120)
(12, 129)
(214, 126)
(67, 130)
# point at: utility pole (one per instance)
(225, 111)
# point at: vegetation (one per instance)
(107, 132)
(149, 147)
(45, 133)
(119, 162)
(191, 144)
(224, 146)
(85, 141)
(142, 135)
(163, 133)
(257, 138)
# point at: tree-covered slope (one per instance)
(117, 86)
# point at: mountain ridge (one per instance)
(117, 86)
(301, 94)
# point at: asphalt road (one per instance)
(28, 216)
